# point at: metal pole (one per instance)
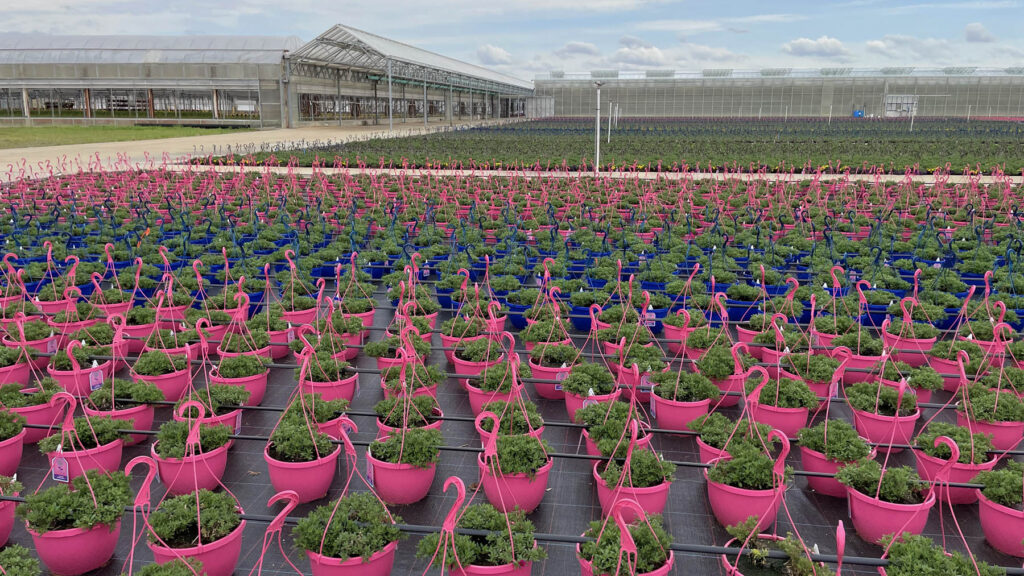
(968, 113)
(391, 119)
(424, 104)
(913, 112)
(829, 114)
(611, 112)
(597, 130)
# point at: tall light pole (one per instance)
(597, 128)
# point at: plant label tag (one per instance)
(589, 402)
(95, 380)
(654, 410)
(649, 319)
(369, 474)
(59, 470)
(238, 423)
(290, 335)
(51, 346)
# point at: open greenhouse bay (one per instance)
(612, 319)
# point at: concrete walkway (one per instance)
(113, 154)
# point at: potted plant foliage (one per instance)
(247, 371)
(130, 401)
(184, 468)
(300, 457)
(680, 397)
(88, 444)
(882, 415)
(75, 527)
(354, 535)
(509, 549)
(902, 503)
(403, 412)
(514, 471)
(826, 447)
(204, 525)
(602, 554)
(999, 507)
(976, 455)
(588, 383)
(403, 465)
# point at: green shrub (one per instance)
(357, 525)
(176, 522)
(88, 501)
(419, 447)
(496, 548)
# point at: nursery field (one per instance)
(25, 137)
(383, 374)
(710, 145)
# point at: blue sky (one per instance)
(526, 37)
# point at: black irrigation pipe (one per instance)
(560, 455)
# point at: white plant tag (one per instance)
(60, 471)
(95, 379)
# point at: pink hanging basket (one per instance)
(547, 390)
(675, 415)
(574, 402)
(105, 458)
(727, 385)
(873, 518)
(139, 418)
(518, 569)
(6, 520)
(310, 480)
(880, 429)
(787, 420)
(84, 381)
(732, 505)
(399, 484)
(1005, 435)
(191, 473)
(1003, 526)
(219, 558)
(77, 550)
(508, 491)
(345, 388)
(256, 385)
(587, 569)
(16, 374)
(814, 461)
(652, 499)
(383, 430)
(928, 468)
(379, 564)
(50, 414)
(173, 385)
(10, 453)
(478, 397)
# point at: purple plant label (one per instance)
(290, 335)
(654, 410)
(558, 387)
(95, 380)
(369, 474)
(51, 346)
(649, 319)
(238, 423)
(59, 470)
(561, 376)
(347, 428)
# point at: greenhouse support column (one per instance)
(451, 103)
(597, 129)
(25, 104)
(216, 104)
(337, 101)
(87, 99)
(376, 106)
(424, 104)
(391, 118)
(150, 108)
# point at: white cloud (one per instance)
(637, 52)
(902, 47)
(491, 55)
(699, 54)
(823, 47)
(690, 26)
(976, 32)
(577, 49)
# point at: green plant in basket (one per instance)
(120, 394)
(216, 399)
(646, 469)
(508, 539)
(718, 431)
(680, 386)
(90, 432)
(914, 555)
(974, 448)
(796, 562)
(841, 442)
(90, 500)
(588, 379)
(18, 561)
(356, 526)
(783, 393)
(419, 447)
(159, 363)
(604, 549)
(520, 454)
(515, 418)
(867, 396)
(498, 378)
(407, 411)
(296, 440)
(899, 485)
(717, 363)
(245, 366)
(176, 522)
(388, 347)
(172, 436)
